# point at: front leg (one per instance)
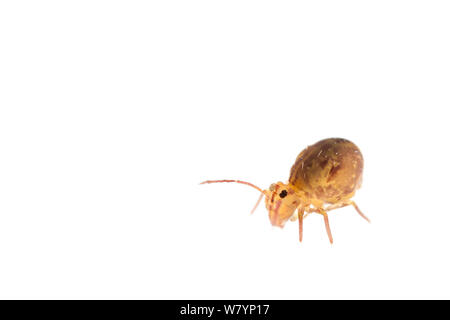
(300, 223)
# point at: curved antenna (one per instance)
(237, 181)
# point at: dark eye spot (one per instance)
(283, 194)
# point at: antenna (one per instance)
(237, 181)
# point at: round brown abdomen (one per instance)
(329, 171)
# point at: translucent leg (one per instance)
(344, 204)
(359, 211)
(300, 224)
(327, 223)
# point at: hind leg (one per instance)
(359, 211)
(344, 204)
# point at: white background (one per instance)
(112, 112)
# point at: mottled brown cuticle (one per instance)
(328, 170)
(333, 172)
(323, 164)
